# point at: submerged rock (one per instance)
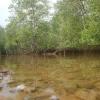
(33, 90)
(49, 91)
(54, 97)
(29, 90)
(20, 87)
(3, 98)
(70, 88)
(86, 94)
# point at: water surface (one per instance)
(65, 75)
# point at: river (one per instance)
(72, 77)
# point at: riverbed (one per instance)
(70, 77)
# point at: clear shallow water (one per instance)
(65, 75)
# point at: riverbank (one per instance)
(58, 52)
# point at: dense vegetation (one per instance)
(75, 23)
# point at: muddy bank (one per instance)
(90, 49)
(70, 51)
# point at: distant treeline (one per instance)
(73, 27)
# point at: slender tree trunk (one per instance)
(83, 12)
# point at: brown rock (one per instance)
(71, 88)
(85, 94)
(33, 90)
(3, 98)
(97, 85)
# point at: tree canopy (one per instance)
(75, 23)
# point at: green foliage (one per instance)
(75, 23)
(2, 40)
